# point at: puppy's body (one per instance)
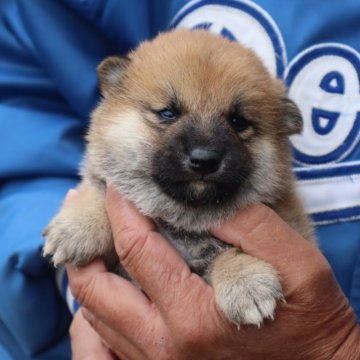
(191, 128)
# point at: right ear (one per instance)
(293, 122)
(111, 71)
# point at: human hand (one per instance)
(86, 343)
(179, 319)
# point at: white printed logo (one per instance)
(324, 82)
(240, 21)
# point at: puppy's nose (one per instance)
(204, 161)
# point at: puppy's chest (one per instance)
(198, 249)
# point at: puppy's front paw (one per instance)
(80, 231)
(246, 289)
(66, 243)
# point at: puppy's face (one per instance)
(191, 128)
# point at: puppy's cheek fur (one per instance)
(127, 152)
(130, 142)
(267, 178)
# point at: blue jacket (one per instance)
(49, 51)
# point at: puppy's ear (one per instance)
(292, 119)
(111, 71)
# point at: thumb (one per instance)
(85, 342)
(260, 232)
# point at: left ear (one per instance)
(111, 72)
(292, 119)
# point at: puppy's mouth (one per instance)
(199, 192)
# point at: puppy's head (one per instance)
(191, 128)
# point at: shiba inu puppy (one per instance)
(191, 128)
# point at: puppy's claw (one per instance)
(59, 258)
(48, 249)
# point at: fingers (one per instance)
(111, 298)
(145, 254)
(260, 232)
(85, 342)
(122, 346)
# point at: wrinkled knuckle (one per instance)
(318, 267)
(323, 273)
(124, 234)
(83, 291)
(323, 268)
(132, 248)
(317, 278)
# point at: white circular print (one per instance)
(241, 21)
(324, 82)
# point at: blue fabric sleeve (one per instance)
(34, 320)
(48, 87)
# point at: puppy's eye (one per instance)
(239, 123)
(167, 115)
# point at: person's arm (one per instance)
(179, 319)
(48, 86)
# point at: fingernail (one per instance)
(71, 194)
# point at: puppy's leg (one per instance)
(246, 288)
(81, 230)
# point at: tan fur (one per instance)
(246, 288)
(81, 219)
(205, 74)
